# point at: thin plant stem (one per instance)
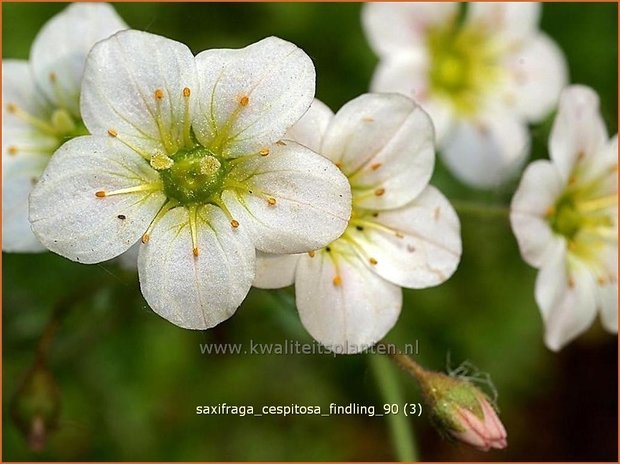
(401, 432)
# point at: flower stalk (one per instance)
(460, 409)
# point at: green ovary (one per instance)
(463, 65)
(195, 177)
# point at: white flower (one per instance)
(402, 233)
(564, 215)
(482, 79)
(41, 108)
(186, 153)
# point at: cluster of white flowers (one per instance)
(228, 174)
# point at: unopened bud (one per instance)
(463, 410)
(36, 406)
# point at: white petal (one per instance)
(578, 128)
(310, 129)
(250, 97)
(70, 220)
(393, 28)
(538, 191)
(196, 292)
(351, 316)
(601, 168)
(537, 73)
(123, 75)
(606, 274)
(408, 74)
(382, 141)
(19, 91)
(415, 246)
(275, 271)
(59, 51)
(608, 303)
(313, 199)
(488, 152)
(129, 259)
(566, 297)
(509, 22)
(18, 178)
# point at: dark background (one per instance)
(130, 381)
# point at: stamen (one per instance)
(550, 211)
(264, 152)
(161, 213)
(597, 203)
(12, 150)
(374, 225)
(244, 101)
(193, 213)
(58, 90)
(375, 166)
(165, 136)
(187, 136)
(337, 281)
(271, 201)
(131, 146)
(140, 188)
(372, 261)
(233, 222)
(311, 254)
(379, 191)
(42, 125)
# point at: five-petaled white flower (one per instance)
(482, 79)
(41, 108)
(185, 152)
(564, 215)
(402, 233)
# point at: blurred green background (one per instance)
(129, 381)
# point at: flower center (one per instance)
(463, 63)
(59, 127)
(195, 176)
(584, 218)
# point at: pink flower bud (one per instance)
(482, 433)
(463, 411)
